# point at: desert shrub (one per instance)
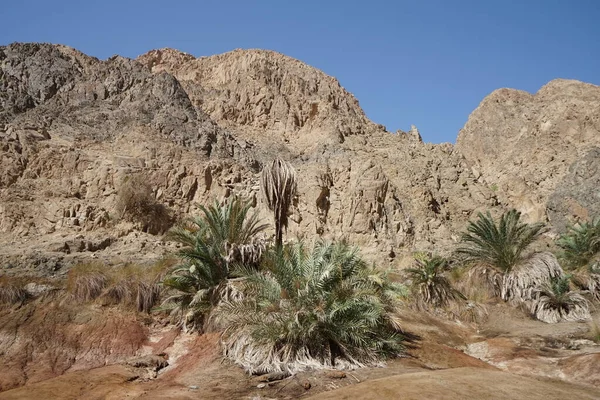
(430, 286)
(311, 308)
(594, 333)
(131, 285)
(136, 203)
(135, 286)
(555, 301)
(224, 235)
(87, 281)
(12, 291)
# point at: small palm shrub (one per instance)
(555, 301)
(580, 253)
(318, 307)
(580, 244)
(497, 252)
(500, 246)
(221, 237)
(430, 287)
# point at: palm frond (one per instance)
(498, 245)
(318, 307)
(430, 286)
(223, 237)
(580, 244)
(555, 301)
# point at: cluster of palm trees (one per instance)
(289, 307)
(498, 261)
(281, 307)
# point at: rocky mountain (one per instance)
(74, 130)
(524, 144)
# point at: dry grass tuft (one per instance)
(12, 291)
(86, 281)
(594, 333)
(131, 285)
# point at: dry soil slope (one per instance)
(524, 143)
(462, 383)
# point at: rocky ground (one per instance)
(74, 130)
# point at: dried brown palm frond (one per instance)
(118, 293)
(531, 273)
(555, 301)
(279, 186)
(147, 296)
(484, 278)
(469, 311)
(589, 282)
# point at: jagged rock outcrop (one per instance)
(577, 196)
(523, 144)
(76, 128)
(266, 94)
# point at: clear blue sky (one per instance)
(427, 63)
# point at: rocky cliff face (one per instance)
(264, 94)
(74, 129)
(523, 144)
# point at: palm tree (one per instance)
(279, 186)
(581, 247)
(581, 243)
(430, 286)
(312, 308)
(555, 301)
(221, 237)
(497, 252)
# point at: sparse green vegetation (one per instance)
(221, 237)
(430, 286)
(312, 308)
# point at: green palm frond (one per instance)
(430, 286)
(214, 243)
(580, 244)
(498, 245)
(312, 308)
